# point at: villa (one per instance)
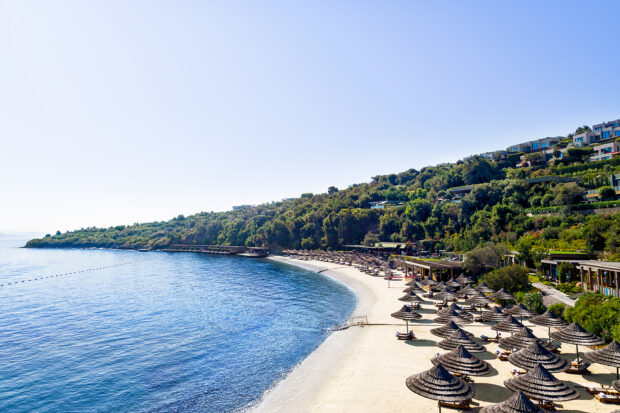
(600, 132)
(535, 145)
(600, 276)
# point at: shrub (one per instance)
(513, 278)
(606, 193)
(598, 314)
(534, 302)
(557, 309)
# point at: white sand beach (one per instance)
(363, 369)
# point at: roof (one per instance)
(603, 265)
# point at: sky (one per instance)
(116, 112)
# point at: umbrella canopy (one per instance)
(414, 286)
(461, 361)
(453, 306)
(429, 281)
(452, 315)
(439, 384)
(517, 403)
(478, 298)
(608, 355)
(548, 319)
(452, 283)
(495, 314)
(519, 310)
(502, 295)
(404, 311)
(446, 294)
(406, 314)
(539, 384)
(509, 325)
(534, 354)
(463, 279)
(522, 339)
(460, 338)
(448, 329)
(469, 290)
(484, 288)
(577, 335)
(412, 297)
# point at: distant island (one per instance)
(547, 194)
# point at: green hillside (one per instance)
(450, 206)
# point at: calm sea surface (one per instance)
(153, 331)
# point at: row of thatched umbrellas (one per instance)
(533, 355)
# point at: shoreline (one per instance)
(304, 381)
(364, 368)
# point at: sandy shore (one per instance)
(363, 369)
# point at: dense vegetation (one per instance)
(432, 216)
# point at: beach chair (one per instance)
(607, 398)
(594, 390)
(579, 368)
(464, 405)
(405, 336)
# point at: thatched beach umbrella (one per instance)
(448, 330)
(541, 385)
(411, 297)
(517, 403)
(495, 314)
(484, 288)
(478, 299)
(460, 338)
(463, 279)
(519, 310)
(577, 335)
(429, 281)
(452, 315)
(407, 314)
(502, 294)
(452, 283)
(439, 384)
(522, 339)
(446, 294)
(548, 319)
(469, 290)
(446, 310)
(461, 361)
(608, 356)
(616, 384)
(534, 354)
(415, 287)
(508, 325)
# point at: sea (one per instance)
(93, 330)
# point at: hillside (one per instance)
(450, 206)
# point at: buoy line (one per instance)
(66, 273)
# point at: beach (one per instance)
(363, 368)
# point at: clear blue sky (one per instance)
(114, 112)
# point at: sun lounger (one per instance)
(579, 368)
(602, 389)
(405, 336)
(453, 405)
(607, 398)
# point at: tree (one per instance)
(557, 309)
(535, 158)
(598, 314)
(332, 190)
(419, 209)
(567, 193)
(513, 278)
(484, 258)
(606, 193)
(534, 302)
(371, 239)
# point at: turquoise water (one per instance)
(153, 331)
